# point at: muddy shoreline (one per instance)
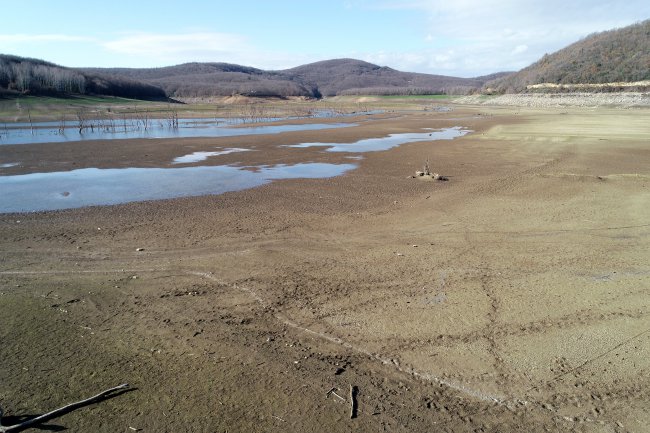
(511, 298)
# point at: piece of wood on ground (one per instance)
(67, 408)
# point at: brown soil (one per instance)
(513, 297)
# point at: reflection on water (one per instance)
(51, 132)
(93, 186)
(393, 140)
(202, 156)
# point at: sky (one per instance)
(464, 38)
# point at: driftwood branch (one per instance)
(353, 402)
(60, 411)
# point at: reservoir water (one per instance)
(390, 141)
(94, 186)
(51, 132)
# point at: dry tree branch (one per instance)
(354, 406)
(58, 412)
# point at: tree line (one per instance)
(35, 76)
(21, 76)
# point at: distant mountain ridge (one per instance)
(325, 78)
(614, 56)
(19, 75)
(211, 79)
(356, 77)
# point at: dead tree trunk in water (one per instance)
(81, 121)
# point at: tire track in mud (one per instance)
(511, 181)
(384, 360)
(490, 332)
(498, 331)
(108, 271)
(595, 358)
(511, 404)
(485, 277)
(531, 328)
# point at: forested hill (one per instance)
(355, 77)
(213, 79)
(326, 78)
(20, 76)
(620, 55)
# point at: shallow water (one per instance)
(93, 186)
(202, 156)
(392, 140)
(48, 132)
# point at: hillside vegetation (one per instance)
(326, 78)
(355, 77)
(25, 76)
(611, 57)
(213, 79)
(20, 76)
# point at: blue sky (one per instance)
(449, 37)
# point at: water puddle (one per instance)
(52, 132)
(93, 186)
(393, 140)
(202, 156)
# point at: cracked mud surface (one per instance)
(515, 297)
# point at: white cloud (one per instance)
(520, 49)
(495, 35)
(154, 49)
(25, 38)
(195, 46)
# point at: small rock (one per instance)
(139, 249)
